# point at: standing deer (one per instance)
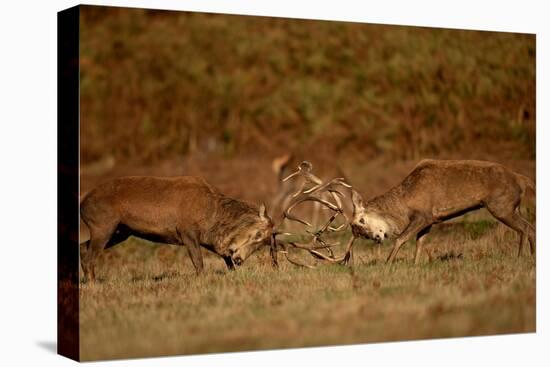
(437, 190)
(181, 210)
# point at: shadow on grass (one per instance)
(450, 256)
(166, 275)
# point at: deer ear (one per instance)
(262, 211)
(279, 164)
(358, 204)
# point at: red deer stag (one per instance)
(438, 190)
(173, 210)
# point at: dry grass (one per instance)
(152, 304)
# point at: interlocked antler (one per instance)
(314, 194)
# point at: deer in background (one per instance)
(283, 166)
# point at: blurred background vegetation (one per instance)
(158, 84)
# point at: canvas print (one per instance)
(252, 183)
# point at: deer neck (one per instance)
(389, 207)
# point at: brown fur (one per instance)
(174, 210)
(437, 190)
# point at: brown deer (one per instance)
(181, 210)
(437, 190)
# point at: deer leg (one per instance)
(513, 220)
(117, 237)
(195, 254)
(530, 232)
(98, 239)
(348, 260)
(348, 257)
(229, 263)
(83, 250)
(273, 253)
(531, 235)
(420, 239)
(193, 248)
(415, 226)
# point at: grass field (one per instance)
(150, 303)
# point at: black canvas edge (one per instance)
(68, 332)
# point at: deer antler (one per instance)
(301, 195)
(314, 193)
(304, 170)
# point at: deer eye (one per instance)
(362, 221)
(258, 235)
